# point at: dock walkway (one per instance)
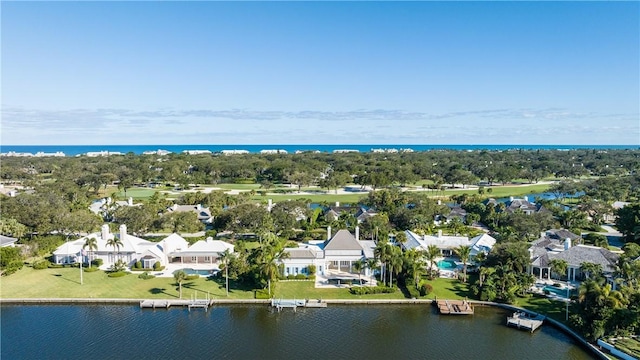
(294, 303)
(455, 307)
(165, 304)
(522, 321)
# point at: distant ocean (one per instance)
(72, 150)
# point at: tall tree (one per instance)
(463, 253)
(92, 244)
(180, 276)
(432, 254)
(225, 259)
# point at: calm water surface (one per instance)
(257, 332)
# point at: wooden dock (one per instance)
(523, 321)
(455, 307)
(167, 303)
(294, 304)
(315, 303)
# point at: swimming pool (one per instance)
(556, 291)
(190, 271)
(447, 265)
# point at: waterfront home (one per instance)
(204, 214)
(202, 252)
(130, 249)
(447, 244)
(546, 249)
(332, 257)
(299, 259)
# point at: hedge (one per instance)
(148, 269)
(41, 264)
(192, 277)
(117, 274)
(368, 290)
(91, 269)
(145, 276)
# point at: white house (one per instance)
(299, 259)
(130, 250)
(447, 244)
(332, 257)
(202, 252)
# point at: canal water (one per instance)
(258, 332)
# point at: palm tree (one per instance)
(359, 266)
(463, 253)
(270, 253)
(116, 243)
(91, 244)
(372, 264)
(432, 254)
(395, 263)
(589, 269)
(225, 257)
(611, 298)
(401, 237)
(559, 267)
(485, 273)
(381, 253)
(415, 264)
(180, 276)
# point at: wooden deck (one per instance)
(524, 321)
(454, 307)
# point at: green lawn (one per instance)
(65, 283)
(543, 305)
(235, 186)
(136, 193)
(330, 198)
(504, 191)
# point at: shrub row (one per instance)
(91, 269)
(298, 277)
(160, 268)
(367, 290)
(117, 274)
(192, 277)
(41, 264)
(145, 276)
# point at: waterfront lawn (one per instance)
(307, 290)
(450, 289)
(546, 306)
(65, 283)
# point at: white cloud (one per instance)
(242, 126)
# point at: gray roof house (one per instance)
(204, 214)
(546, 249)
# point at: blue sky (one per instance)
(320, 72)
